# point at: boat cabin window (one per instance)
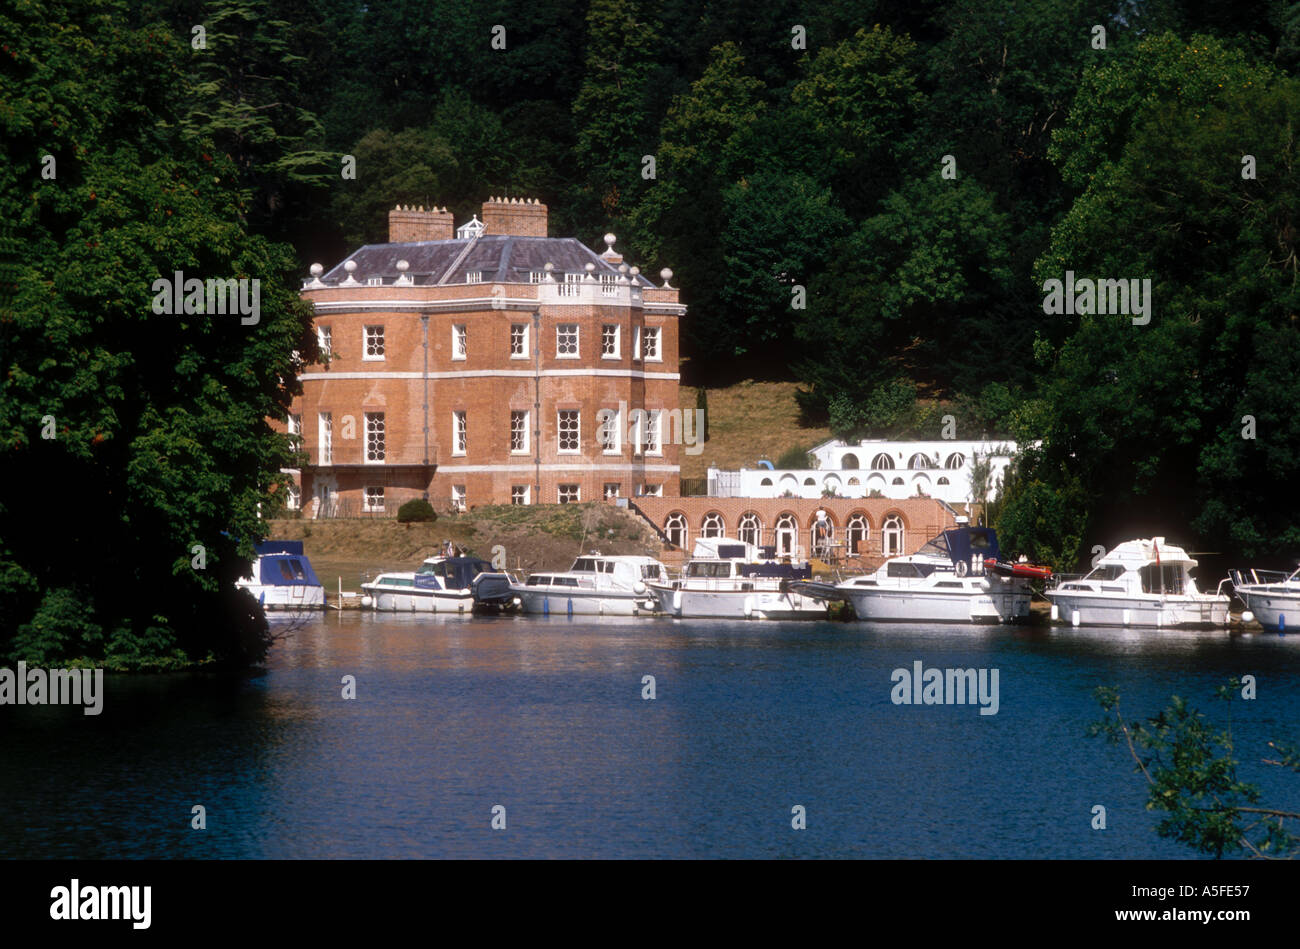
(536, 581)
(291, 569)
(564, 581)
(906, 569)
(704, 568)
(1107, 571)
(1166, 578)
(584, 564)
(651, 571)
(437, 569)
(935, 548)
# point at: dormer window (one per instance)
(473, 276)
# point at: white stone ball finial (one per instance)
(317, 270)
(667, 274)
(350, 266)
(609, 239)
(402, 266)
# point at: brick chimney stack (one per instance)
(406, 224)
(518, 217)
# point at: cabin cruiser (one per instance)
(595, 585)
(1273, 596)
(728, 578)
(283, 579)
(958, 577)
(1140, 583)
(439, 585)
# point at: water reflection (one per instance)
(455, 714)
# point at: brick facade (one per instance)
(425, 329)
(918, 520)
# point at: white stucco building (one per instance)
(939, 469)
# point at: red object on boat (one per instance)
(1029, 570)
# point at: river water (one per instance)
(545, 718)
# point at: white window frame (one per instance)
(293, 498)
(618, 341)
(519, 355)
(366, 336)
(459, 432)
(654, 333)
(459, 497)
(562, 489)
(369, 494)
(560, 431)
(376, 421)
(459, 341)
(652, 490)
(613, 425)
(518, 491)
(654, 440)
(514, 413)
(618, 487)
(325, 339)
(561, 330)
(325, 438)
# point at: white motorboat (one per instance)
(283, 578)
(1272, 595)
(958, 577)
(596, 585)
(1140, 583)
(727, 578)
(439, 585)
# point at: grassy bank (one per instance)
(532, 537)
(748, 421)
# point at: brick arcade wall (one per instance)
(922, 519)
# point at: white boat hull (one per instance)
(736, 604)
(1271, 608)
(1153, 612)
(419, 601)
(287, 597)
(936, 606)
(549, 601)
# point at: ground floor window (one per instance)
(293, 501)
(750, 530)
(611, 490)
(891, 534)
(519, 494)
(675, 530)
(458, 497)
(786, 531)
(372, 501)
(856, 533)
(569, 494)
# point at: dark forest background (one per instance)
(784, 159)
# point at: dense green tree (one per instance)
(135, 436)
(1150, 418)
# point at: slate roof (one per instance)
(501, 258)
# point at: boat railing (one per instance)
(1241, 578)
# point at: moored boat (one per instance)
(595, 585)
(439, 585)
(1145, 582)
(727, 578)
(957, 577)
(283, 579)
(1272, 596)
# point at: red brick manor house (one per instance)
(485, 364)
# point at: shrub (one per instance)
(416, 510)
